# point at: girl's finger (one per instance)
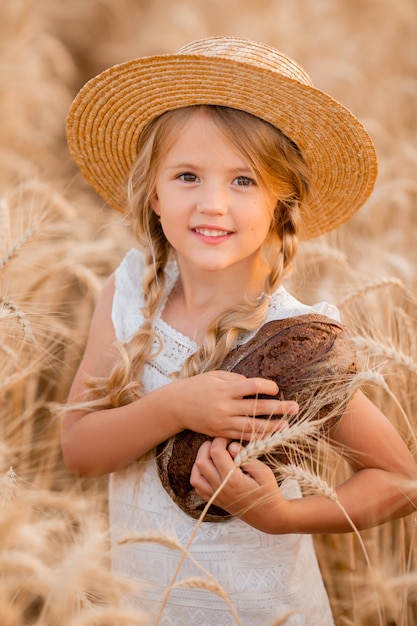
(258, 471)
(204, 468)
(221, 456)
(252, 428)
(270, 407)
(255, 386)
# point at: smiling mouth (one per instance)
(209, 232)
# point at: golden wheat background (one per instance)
(58, 242)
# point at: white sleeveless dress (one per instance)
(264, 576)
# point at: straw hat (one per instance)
(111, 110)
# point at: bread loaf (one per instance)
(307, 356)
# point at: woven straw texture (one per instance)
(109, 113)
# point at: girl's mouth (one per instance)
(211, 232)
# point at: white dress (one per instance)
(264, 576)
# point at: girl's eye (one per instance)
(188, 177)
(244, 181)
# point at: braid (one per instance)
(124, 384)
(282, 243)
(221, 336)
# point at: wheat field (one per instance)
(58, 243)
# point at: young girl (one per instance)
(223, 156)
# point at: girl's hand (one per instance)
(216, 404)
(250, 493)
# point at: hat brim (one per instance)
(109, 113)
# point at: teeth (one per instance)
(207, 232)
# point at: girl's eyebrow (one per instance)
(240, 169)
(181, 166)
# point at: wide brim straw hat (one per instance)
(109, 113)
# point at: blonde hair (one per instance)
(279, 169)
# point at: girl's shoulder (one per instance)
(128, 294)
(129, 273)
(282, 305)
(130, 270)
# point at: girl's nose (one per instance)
(213, 200)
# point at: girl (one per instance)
(223, 156)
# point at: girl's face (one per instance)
(212, 210)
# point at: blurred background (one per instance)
(58, 242)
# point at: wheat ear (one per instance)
(18, 244)
(366, 344)
(18, 314)
(371, 286)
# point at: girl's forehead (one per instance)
(202, 139)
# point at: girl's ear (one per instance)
(155, 205)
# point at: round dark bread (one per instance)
(310, 357)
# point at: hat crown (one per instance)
(245, 51)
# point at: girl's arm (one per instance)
(214, 403)
(382, 487)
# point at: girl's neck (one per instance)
(228, 287)
(198, 297)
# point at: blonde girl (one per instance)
(222, 156)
